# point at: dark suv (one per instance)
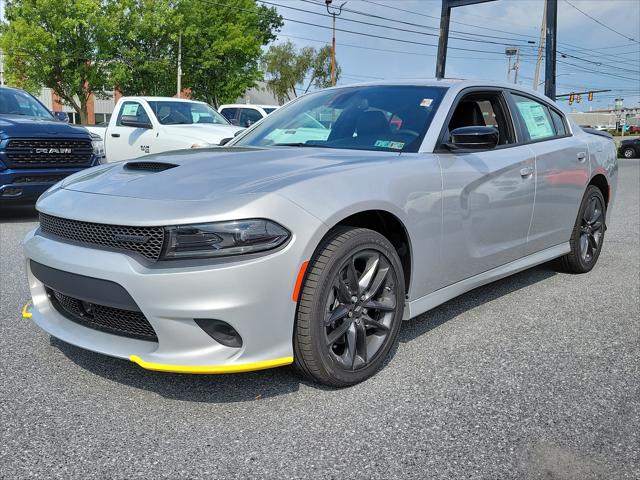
(629, 148)
(36, 149)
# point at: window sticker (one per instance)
(389, 144)
(130, 109)
(538, 124)
(426, 102)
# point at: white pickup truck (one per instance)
(144, 125)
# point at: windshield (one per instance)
(383, 117)
(16, 102)
(185, 113)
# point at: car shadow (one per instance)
(18, 214)
(254, 386)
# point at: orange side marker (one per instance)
(296, 289)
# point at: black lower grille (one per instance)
(126, 323)
(147, 241)
(39, 179)
(38, 152)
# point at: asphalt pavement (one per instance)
(533, 377)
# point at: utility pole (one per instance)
(550, 50)
(334, 14)
(543, 28)
(179, 79)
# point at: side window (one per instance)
(229, 113)
(535, 118)
(248, 116)
(132, 109)
(558, 122)
(483, 110)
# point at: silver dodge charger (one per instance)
(309, 237)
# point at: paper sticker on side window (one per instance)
(536, 119)
(130, 109)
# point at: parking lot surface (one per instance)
(535, 376)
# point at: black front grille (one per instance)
(126, 323)
(34, 153)
(147, 241)
(39, 179)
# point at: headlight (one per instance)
(98, 147)
(224, 238)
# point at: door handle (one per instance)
(582, 156)
(115, 135)
(526, 172)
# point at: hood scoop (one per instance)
(149, 166)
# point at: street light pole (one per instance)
(334, 14)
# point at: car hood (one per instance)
(217, 172)
(24, 126)
(201, 132)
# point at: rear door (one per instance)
(562, 165)
(488, 194)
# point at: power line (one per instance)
(600, 23)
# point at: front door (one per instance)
(488, 195)
(124, 142)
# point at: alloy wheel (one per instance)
(360, 309)
(591, 229)
(628, 153)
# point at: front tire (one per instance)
(350, 308)
(628, 153)
(588, 233)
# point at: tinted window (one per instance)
(480, 109)
(249, 116)
(133, 109)
(268, 110)
(229, 113)
(389, 117)
(185, 113)
(558, 123)
(535, 118)
(16, 102)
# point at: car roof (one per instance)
(162, 99)
(455, 84)
(247, 105)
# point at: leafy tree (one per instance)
(144, 49)
(286, 68)
(222, 46)
(58, 44)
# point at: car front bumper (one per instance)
(253, 295)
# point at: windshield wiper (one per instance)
(293, 144)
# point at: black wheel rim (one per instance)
(360, 309)
(591, 229)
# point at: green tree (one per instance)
(144, 49)
(58, 44)
(286, 68)
(222, 46)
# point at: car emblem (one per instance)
(52, 150)
(121, 237)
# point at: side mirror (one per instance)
(62, 116)
(224, 141)
(239, 132)
(473, 138)
(131, 121)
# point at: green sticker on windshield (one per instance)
(389, 144)
(130, 109)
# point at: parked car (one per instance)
(141, 126)
(264, 253)
(38, 148)
(629, 148)
(245, 115)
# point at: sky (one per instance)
(600, 58)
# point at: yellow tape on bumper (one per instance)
(204, 369)
(25, 311)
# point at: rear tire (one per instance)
(588, 233)
(629, 153)
(350, 308)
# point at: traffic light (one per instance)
(571, 97)
(578, 98)
(591, 96)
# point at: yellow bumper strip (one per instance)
(213, 369)
(25, 310)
